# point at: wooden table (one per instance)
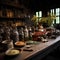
(39, 51)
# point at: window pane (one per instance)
(40, 13)
(57, 19)
(57, 11)
(36, 14)
(53, 11)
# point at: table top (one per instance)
(26, 55)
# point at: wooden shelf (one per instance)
(12, 5)
(12, 11)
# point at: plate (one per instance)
(5, 41)
(28, 46)
(12, 52)
(31, 42)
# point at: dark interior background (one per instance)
(36, 5)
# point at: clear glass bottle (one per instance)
(22, 34)
(30, 33)
(26, 34)
(15, 35)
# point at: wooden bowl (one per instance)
(20, 43)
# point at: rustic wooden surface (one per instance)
(41, 49)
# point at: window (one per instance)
(56, 12)
(52, 13)
(57, 15)
(38, 15)
(57, 19)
